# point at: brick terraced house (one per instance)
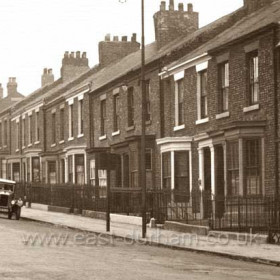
(212, 120)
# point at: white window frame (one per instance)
(178, 77)
(36, 125)
(80, 100)
(200, 68)
(172, 145)
(70, 116)
(29, 129)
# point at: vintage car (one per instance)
(9, 204)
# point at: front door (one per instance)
(220, 182)
(207, 183)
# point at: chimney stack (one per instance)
(1, 92)
(73, 65)
(12, 87)
(47, 77)
(171, 24)
(254, 5)
(112, 51)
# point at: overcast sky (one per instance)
(36, 33)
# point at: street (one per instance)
(85, 258)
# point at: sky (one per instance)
(36, 33)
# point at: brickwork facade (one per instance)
(212, 111)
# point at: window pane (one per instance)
(182, 181)
(130, 105)
(166, 171)
(233, 168)
(253, 167)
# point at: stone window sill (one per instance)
(222, 115)
(61, 142)
(130, 128)
(17, 150)
(148, 122)
(29, 145)
(53, 145)
(178, 127)
(251, 108)
(37, 142)
(116, 133)
(205, 120)
(103, 137)
(80, 135)
(70, 138)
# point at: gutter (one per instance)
(184, 65)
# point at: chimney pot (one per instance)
(181, 7)
(163, 6)
(171, 5)
(72, 55)
(45, 71)
(108, 38)
(133, 38)
(124, 38)
(84, 55)
(50, 71)
(190, 7)
(78, 54)
(66, 54)
(116, 38)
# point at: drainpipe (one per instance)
(276, 111)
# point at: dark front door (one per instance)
(207, 183)
(220, 182)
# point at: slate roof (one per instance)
(251, 23)
(99, 77)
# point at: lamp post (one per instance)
(143, 128)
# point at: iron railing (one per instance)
(242, 214)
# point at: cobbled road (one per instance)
(31, 250)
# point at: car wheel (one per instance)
(18, 210)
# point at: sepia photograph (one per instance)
(139, 139)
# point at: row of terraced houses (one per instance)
(212, 119)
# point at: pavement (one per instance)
(249, 249)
